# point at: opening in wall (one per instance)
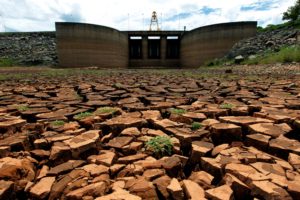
(154, 47)
(135, 47)
(173, 47)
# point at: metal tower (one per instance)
(154, 22)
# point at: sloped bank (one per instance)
(32, 48)
(265, 41)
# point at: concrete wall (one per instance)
(214, 41)
(83, 45)
(156, 63)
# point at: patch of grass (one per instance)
(217, 62)
(177, 111)
(284, 55)
(82, 115)
(57, 123)
(106, 110)
(118, 85)
(78, 97)
(272, 27)
(22, 108)
(7, 62)
(196, 126)
(226, 106)
(160, 145)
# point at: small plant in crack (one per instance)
(177, 111)
(196, 125)
(226, 106)
(118, 85)
(78, 97)
(22, 108)
(57, 123)
(106, 110)
(82, 115)
(160, 146)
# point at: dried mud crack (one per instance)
(84, 134)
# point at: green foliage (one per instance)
(293, 12)
(57, 123)
(118, 85)
(106, 110)
(82, 115)
(160, 145)
(218, 62)
(22, 108)
(226, 106)
(177, 111)
(272, 27)
(284, 55)
(7, 62)
(196, 126)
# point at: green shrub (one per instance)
(226, 106)
(57, 123)
(7, 62)
(284, 55)
(22, 108)
(106, 110)
(177, 111)
(196, 126)
(82, 115)
(160, 145)
(118, 85)
(293, 12)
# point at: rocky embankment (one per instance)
(270, 40)
(83, 137)
(36, 48)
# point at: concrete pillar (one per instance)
(163, 47)
(145, 47)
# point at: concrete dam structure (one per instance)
(86, 45)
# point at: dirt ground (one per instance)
(84, 133)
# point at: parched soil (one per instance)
(82, 134)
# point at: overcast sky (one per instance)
(40, 15)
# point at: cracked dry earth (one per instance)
(248, 146)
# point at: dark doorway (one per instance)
(173, 47)
(154, 47)
(135, 47)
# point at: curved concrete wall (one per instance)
(214, 41)
(83, 45)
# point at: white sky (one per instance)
(40, 15)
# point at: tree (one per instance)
(293, 12)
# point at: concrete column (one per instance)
(163, 47)
(145, 47)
